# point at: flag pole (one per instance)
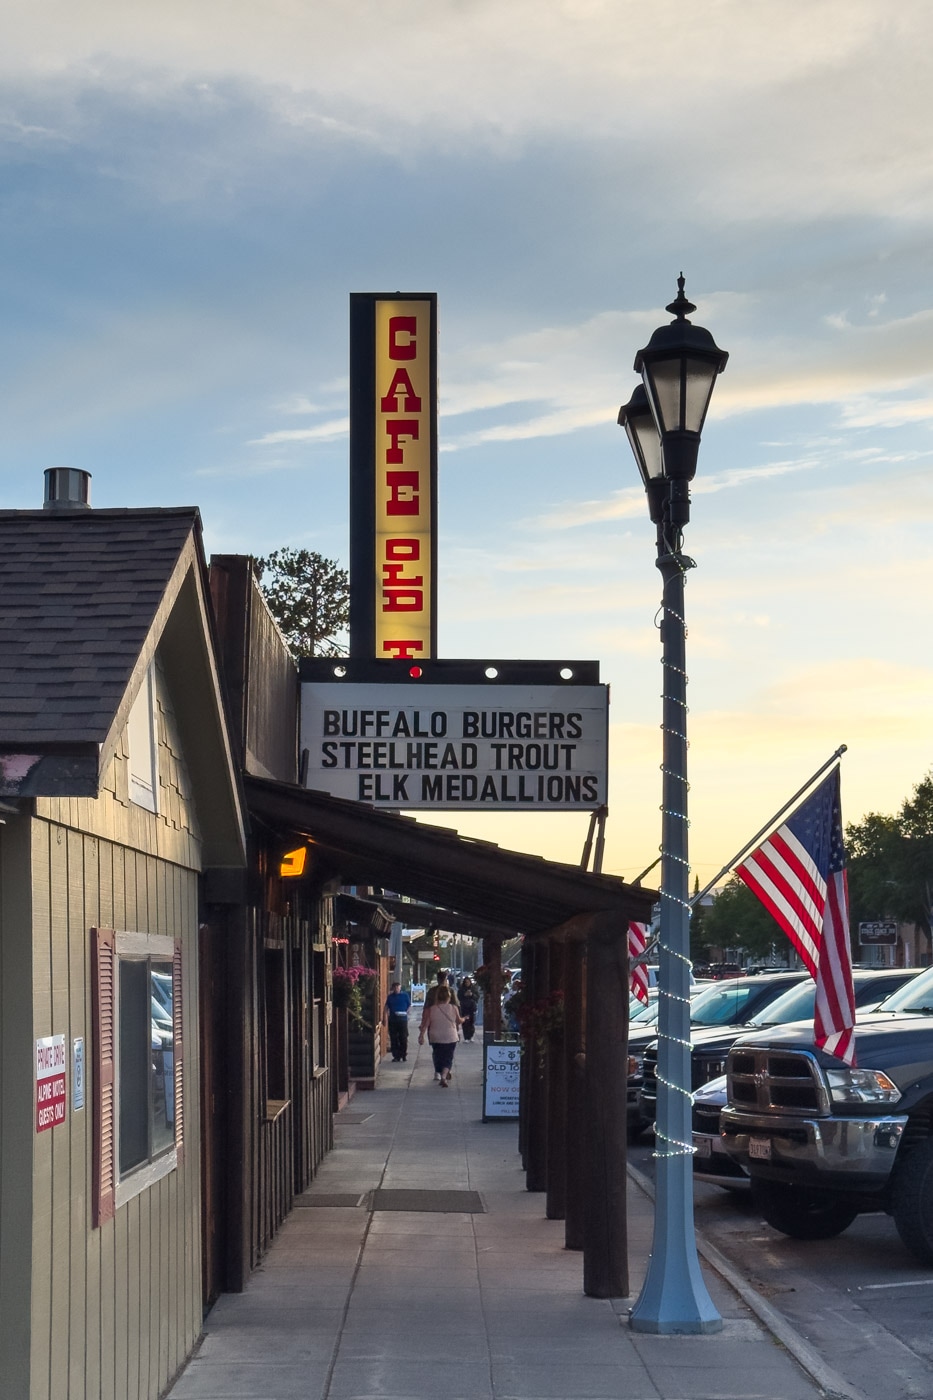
(653, 941)
(768, 825)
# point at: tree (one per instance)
(738, 919)
(309, 597)
(890, 860)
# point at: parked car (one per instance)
(711, 1162)
(823, 1142)
(713, 1004)
(730, 1003)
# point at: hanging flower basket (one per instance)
(352, 992)
(538, 1020)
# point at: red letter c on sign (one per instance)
(402, 325)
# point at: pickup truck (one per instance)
(823, 1142)
(711, 1044)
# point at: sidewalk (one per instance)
(353, 1303)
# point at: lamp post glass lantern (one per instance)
(679, 366)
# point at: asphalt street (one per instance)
(861, 1300)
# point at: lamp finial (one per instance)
(680, 307)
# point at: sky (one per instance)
(190, 193)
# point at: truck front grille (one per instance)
(771, 1082)
(701, 1072)
(706, 1119)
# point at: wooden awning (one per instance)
(508, 890)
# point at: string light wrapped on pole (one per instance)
(663, 421)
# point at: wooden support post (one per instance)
(575, 1117)
(605, 1252)
(556, 1161)
(527, 965)
(492, 1000)
(536, 1053)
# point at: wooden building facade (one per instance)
(118, 793)
(267, 960)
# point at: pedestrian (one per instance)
(395, 1016)
(468, 1008)
(442, 981)
(441, 1024)
(511, 1003)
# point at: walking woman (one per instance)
(468, 1008)
(441, 1023)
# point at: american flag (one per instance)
(637, 939)
(799, 874)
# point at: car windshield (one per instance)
(723, 1004)
(796, 1004)
(916, 995)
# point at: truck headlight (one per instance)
(861, 1086)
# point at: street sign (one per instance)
(881, 933)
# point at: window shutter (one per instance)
(104, 998)
(179, 1062)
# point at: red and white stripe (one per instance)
(835, 999)
(784, 877)
(815, 916)
(637, 941)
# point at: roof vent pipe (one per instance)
(67, 488)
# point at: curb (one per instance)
(828, 1380)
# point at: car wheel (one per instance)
(913, 1202)
(802, 1214)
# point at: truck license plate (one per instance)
(760, 1148)
(702, 1145)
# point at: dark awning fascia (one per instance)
(427, 916)
(361, 845)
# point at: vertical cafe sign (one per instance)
(393, 475)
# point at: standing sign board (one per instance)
(51, 1091)
(501, 1068)
(393, 475)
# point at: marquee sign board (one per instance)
(444, 742)
(393, 474)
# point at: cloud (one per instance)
(321, 432)
(559, 379)
(801, 106)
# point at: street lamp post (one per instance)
(663, 420)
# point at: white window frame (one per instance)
(136, 946)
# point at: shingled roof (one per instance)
(79, 592)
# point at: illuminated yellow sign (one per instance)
(403, 443)
(293, 863)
